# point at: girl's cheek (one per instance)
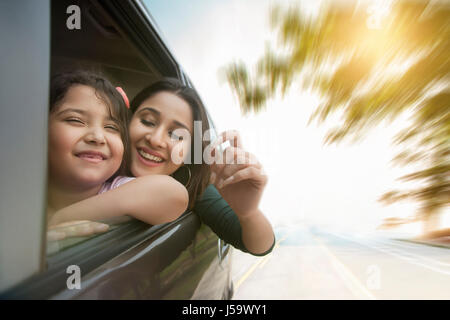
(61, 139)
(118, 148)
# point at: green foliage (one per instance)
(368, 76)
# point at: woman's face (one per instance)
(159, 134)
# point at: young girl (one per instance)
(87, 150)
(167, 107)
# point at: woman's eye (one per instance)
(147, 123)
(175, 137)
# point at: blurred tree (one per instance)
(369, 65)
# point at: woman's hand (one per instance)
(240, 178)
(79, 228)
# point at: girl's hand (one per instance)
(240, 178)
(79, 228)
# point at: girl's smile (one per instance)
(91, 156)
(84, 140)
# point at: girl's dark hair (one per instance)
(104, 90)
(200, 173)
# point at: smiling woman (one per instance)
(168, 106)
(177, 260)
(163, 119)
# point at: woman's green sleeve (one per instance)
(215, 212)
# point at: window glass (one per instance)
(69, 234)
(109, 54)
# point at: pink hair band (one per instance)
(124, 96)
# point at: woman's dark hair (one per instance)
(200, 173)
(104, 90)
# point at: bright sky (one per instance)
(335, 185)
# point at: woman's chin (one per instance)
(139, 171)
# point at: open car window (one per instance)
(118, 39)
(114, 38)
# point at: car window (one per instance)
(65, 236)
(105, 43)
(130, 53)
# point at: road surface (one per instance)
(310, 262)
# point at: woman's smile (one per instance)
(152, 131)
(149, 158)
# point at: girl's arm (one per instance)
(154, 199)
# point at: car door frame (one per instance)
(25, 77)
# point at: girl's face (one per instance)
(158, 134)
(85, 145)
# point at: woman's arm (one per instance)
(257, 233)
(154, 199)
(241, 182)
(216, 213)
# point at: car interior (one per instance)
(116, 40)
(102, 45)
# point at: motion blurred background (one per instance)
(338, 99)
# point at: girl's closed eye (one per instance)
(74, 120)
(113, 127)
